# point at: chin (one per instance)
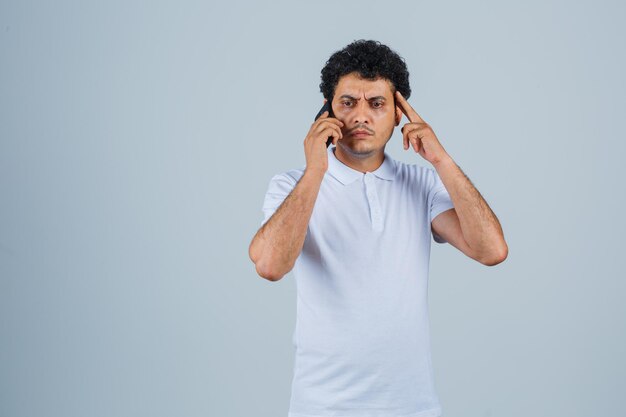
(355, 148)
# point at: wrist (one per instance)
(317, 173)
(444, 161)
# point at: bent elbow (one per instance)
(253, 251)
(264, 270)
(265, 262)
(497, 256)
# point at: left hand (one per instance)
(419, 134)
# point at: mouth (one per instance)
(360, 134)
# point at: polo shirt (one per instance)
(362, 342)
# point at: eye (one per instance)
(377, 104)
(346, 103)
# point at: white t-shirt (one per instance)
(362, 343)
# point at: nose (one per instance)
(361, 113)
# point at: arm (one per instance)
(471, 226)
(279, 241)
(276, 246)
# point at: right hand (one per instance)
(315, 149)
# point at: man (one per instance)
(355, 226)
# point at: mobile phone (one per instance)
(325, 107)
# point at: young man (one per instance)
(355, 226)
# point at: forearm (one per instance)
(480, 226)
(279, 241)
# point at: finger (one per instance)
(335, 121)
(331, 131)
(326, 122)
(407, 109)
(415, 140)
(328, 128)
(410, 127)
(324, 118)
(406, 129)
(321, 123)
(322, 115)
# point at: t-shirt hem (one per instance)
(436, 212)
(433, 412)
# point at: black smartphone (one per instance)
(325, 107)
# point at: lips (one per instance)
(361, 133)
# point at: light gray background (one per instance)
(137, 140)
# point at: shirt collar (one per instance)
(346, 175)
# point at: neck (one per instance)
(363, 162)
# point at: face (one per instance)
(365, 106)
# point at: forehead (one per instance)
(354, 85)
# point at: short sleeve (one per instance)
(440, 201)
(279, 188)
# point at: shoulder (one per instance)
(416, 175)
(290, 176)
(285, 181)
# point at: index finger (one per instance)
(407, 109)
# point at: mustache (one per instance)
(362, 127)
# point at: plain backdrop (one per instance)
(137, 140)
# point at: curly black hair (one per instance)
(369, 58)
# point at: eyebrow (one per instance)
(369, 99)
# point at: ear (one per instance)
(398, 115)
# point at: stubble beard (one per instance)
(356, 153)
(361, 153)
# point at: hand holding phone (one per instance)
(327, 129)
(324, 108)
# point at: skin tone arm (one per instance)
(472, 227)
(277, 244)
